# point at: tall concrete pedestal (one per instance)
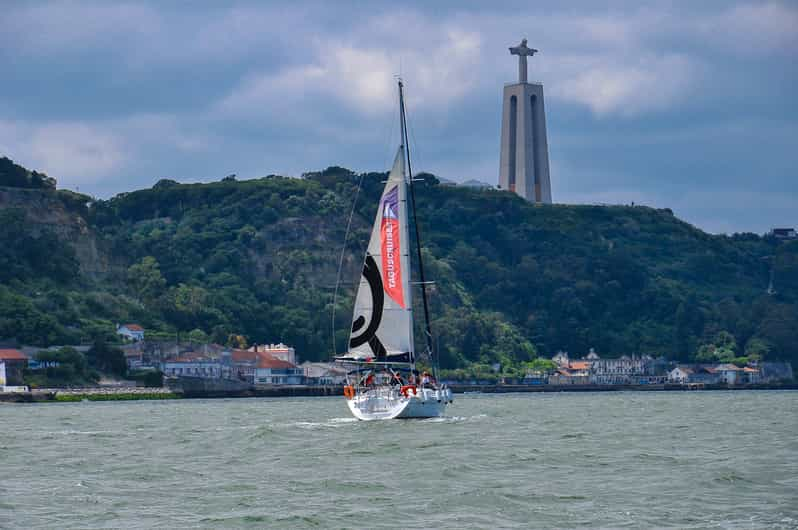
(524, 165)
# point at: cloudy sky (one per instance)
(687, 105)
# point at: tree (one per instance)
(721, 349)
(197, 335)
(237, 341)
(17, 176)
(107, 358)
(757, 349)
(64, 366)
(146, 280)
(541, 365)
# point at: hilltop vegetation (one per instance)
(256, 261)
(17, 176)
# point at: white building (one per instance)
(561, 359)
(752, 375)
(132, 332)
(680, 375)
(274, 371)
(278, 351)
(323, 373)
(12, 363)
(194, 367)
(730, 374)
(624, 370)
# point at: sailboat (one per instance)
(383, 381)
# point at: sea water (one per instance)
(564, 460)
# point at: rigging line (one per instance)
(387, 130)
(341, 261)
(417, 153)
(428, 328)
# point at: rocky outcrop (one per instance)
(64, 214)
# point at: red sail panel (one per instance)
(391, 247)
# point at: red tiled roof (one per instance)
(133, 327)
(728, 367)
(12, 355)
(267, 361)
(243, 356)
(193, 355)
(580, 365)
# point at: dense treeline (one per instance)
(17, 176)
(257, 261)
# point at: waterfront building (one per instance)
(134, 355)
(694, 374)
(775, 371)
(561, 359)
(624, 370)
(12, 363)
(273, 371)
(680, 375)
(752, 375)
(278, 351)
(243, 363)
(132, 332)
(729, 374)
(574, 373)
(564, 376)
(323, 373)
(192, 365)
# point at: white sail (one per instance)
(382, 321)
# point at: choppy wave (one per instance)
(556, 461)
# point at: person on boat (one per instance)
(396, 380)
(425, 378)
(369, 379)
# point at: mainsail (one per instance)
(382, 321)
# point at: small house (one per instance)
(561, 359)
(273, 371)
(132, 332)
(752, 375)
(784, 233)
(680, 375)
(730, 374)
(12, 363)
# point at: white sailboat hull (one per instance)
(389, 403)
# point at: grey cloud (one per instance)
(645, 100)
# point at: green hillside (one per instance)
(258, 259)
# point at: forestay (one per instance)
(382, 321)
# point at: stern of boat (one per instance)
(389, 403)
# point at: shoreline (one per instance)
(144, 393)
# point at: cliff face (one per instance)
(62, 213)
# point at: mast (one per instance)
(406, 145)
